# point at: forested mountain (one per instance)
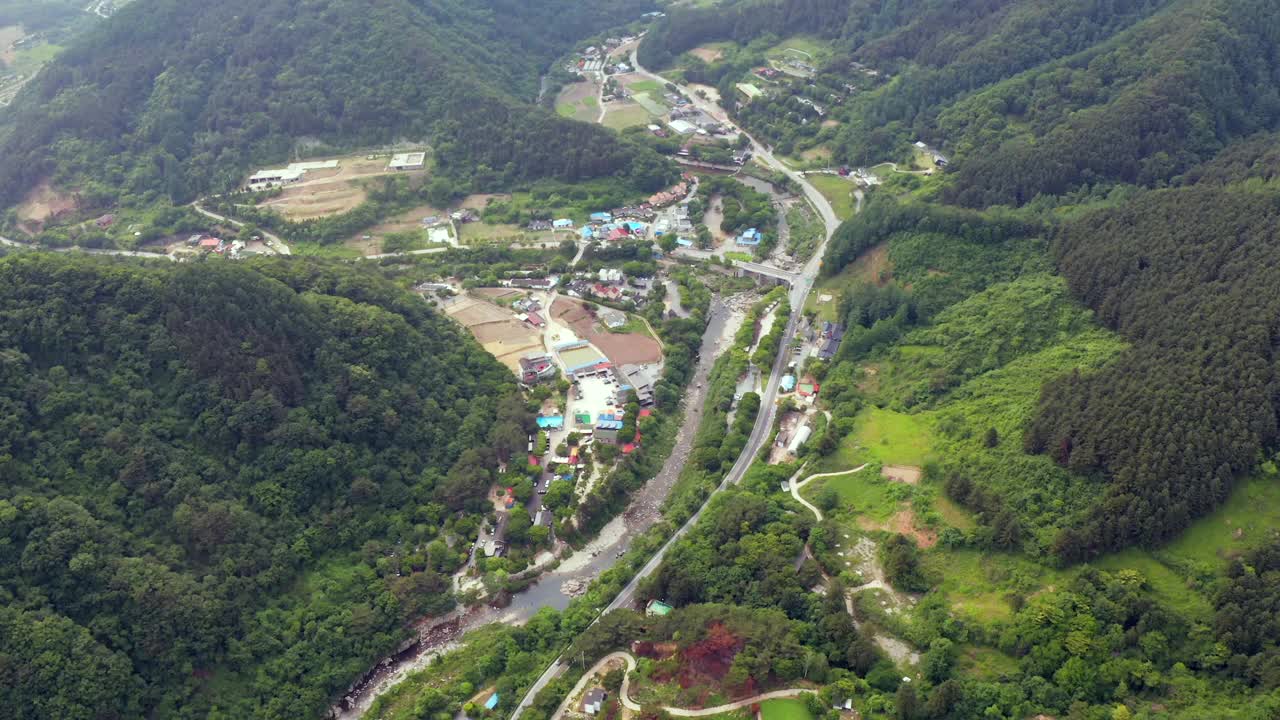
(225, 485)
(176, 98)
(1032, 97)
(1188, 275)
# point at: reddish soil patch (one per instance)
(656, 651)
(620, 348)
(904, 523)
(909, 474)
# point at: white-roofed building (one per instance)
(683, 127)
(407, 161)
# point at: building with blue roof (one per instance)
(684, 242)
(788, 383)
(562, 224)
(554, 422)
(750, 236)
(601, 217)
(492, 702)
(587, 233)
(607, 431)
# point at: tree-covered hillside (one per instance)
(176, 98)
(225, 486)
(1029, 97)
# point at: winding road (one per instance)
(624, 696)
(768, 407)
(273, 241)
(795, 486)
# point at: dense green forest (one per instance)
(226, 84)
(1186, 274)
(1032, 98)
(227, 486)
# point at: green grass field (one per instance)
(1245, 521)
(625, 117)
(893, 438)
(785, 709)
(866, 492)
(838, 191)
(818, 50)
(645, 86)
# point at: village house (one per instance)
(536, 368)
(593, 701)
(606, 430)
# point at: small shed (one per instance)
(492, 702)
(658, 608)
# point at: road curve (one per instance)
(273, 241)
(768, 402)
(795, 486)
(625, 695)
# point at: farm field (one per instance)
(497, 329)
(579, 101)
(625, 114)
(620, 348)
(321, 193)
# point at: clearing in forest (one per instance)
(44, 203)
(579, 101)
(333, 191)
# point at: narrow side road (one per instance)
(796, 486)
(273, 241)
(624, 696)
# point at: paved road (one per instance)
(89, 251)
(824, 208)
(273, 241)
(768, 406)
(624, 696)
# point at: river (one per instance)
(442, 634)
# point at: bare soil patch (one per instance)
(411, 220)
(874, 266)
(903, 522)
(45, 203)
(332, 191)
(505, 337)
(712, 94)
(620, 348)
(909, 474)
(707, 54)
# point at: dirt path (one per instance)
(795, 486)
(869, 566)
(625, 695)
